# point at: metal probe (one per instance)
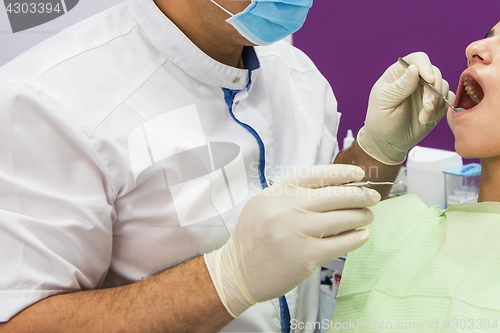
(365, 184)
(431, 87)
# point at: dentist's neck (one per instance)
(204, 24)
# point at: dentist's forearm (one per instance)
(181, 299)
(375, 171)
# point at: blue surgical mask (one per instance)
(264, 22)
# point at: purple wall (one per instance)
(352, 42)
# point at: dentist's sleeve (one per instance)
(56, 202)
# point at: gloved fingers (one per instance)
(451, 96)
(430, 100)
(393, 73)
(334, 198)
(444, 109)
(331, 248)
(428, 115)
(423, 63)
(324, 175)
(403, 87)
(321, 225)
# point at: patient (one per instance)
(428, 271)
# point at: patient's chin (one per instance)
(470, 151)
(465, 150)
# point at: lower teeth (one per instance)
(460, 109)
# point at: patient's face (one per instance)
(476, 130)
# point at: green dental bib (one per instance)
(423, 271)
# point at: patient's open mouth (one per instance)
(474, 94)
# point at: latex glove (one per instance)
(287, 231)
(401, 111)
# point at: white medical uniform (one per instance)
(120, 157)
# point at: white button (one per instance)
(236, 80)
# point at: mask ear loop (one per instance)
(224, 9)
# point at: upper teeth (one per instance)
(470, 88)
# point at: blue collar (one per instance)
(251, 63)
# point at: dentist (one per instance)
(155, 132)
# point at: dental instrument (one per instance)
(365, 184)
(431, 87)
